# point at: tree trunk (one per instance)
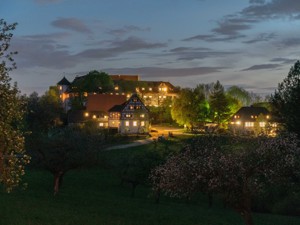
(247, 217)
(57, 181)
(210, 200)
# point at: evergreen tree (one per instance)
(286, 100)
(12, 155)
(219, 104)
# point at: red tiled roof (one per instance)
(103, 102)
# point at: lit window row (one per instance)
(134, 123)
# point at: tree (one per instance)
(219, 104)
(191, 108)
(184, 110)
(12, 155)
(243, 97)
(66, 149)
(286, 100)
(236, 175)
(45, 112)
(94, 81)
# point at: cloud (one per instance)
(257, 1)
(159, 72)
(72, 24)
(117, 47)
(262, 67)
(126, 30)
(290, 42)
(189, 53)
(214, 37)
(42, 51)
(46, 1)
(273, 9)
(261, 38)
(232, 26)
(284, 60)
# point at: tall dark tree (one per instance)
(12, 155)
(286, 100)
(45, 112)
(219, 104)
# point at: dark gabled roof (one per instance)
(63, 81)
(248, 112)
(117, 108)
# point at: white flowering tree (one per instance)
(236, 175)
(12, 156)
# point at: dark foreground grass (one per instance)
(94, 197)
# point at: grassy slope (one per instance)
(94, 197)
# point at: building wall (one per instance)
(134, 126)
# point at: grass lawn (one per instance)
(94, 196)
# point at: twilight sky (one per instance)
(249, 43)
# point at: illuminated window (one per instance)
(238, 122)
(127, 123)
(150, 89)
(86, 114)
(131, 107)
(249, 124)
(262, 124)
(94, 116)
(142, 123)
(101, 124)
(252, 117)
(150, 96)
(164, 89)
(142, 115)
(235, 117)
(143, 89)
(60, 87)
(128, 115)
(116, 88)
(134, 123)
(145, 96)
(268, 117)
(165, 96)
(85, 94)
(159, 96)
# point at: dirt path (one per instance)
(133, 144)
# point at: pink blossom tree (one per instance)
(237, 172)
